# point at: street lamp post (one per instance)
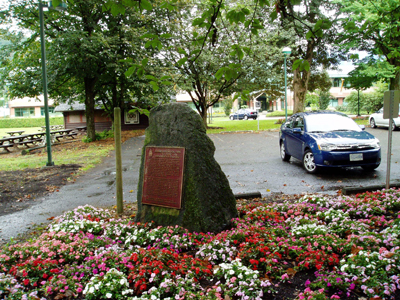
(44, 78)
(286, 52)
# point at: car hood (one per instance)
(343, 137)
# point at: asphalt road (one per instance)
(252, 163)
(250, 160)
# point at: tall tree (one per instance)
(359, 80)
(374, 26)
(314, 24)
(220, 59)
(87, 50)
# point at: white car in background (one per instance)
(376, 119)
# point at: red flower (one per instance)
(26, 281)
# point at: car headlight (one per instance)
(375, 144)
(327, 147)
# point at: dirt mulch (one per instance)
(20, 189)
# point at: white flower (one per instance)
(108, 295)
(91, 290)
(342, 268)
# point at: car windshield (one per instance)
(330, 122)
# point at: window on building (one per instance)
(51, 110)
(24, 111)
(337, 82)
(334, 102)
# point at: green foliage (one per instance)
(100, 136)
(360, 79)
(316, 26)
(319, 81)
(312, 100)
(29, 122)
(372, 26)
(368, 102)
(324, 99)
(355, 101)
(228, 102)
(94, 54)
(301, 64)
(318, 100)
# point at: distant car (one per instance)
(244, 114)
(328, 139)
(376, 119)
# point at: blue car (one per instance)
(328, 139)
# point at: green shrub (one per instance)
(100, 136)
(29, 122)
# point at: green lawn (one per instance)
(224, 124)
(3, 131)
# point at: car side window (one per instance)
(289, 123)
(298, 123)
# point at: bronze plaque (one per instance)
(163, 176)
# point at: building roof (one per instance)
(74, 106)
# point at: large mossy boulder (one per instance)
(208, 203)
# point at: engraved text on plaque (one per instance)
(163, 176)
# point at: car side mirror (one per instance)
(362, 127)
(297, 130)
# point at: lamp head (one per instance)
(286, 51)
(48, 4)
(60, 7)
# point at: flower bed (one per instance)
(315, 247)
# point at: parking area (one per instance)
(252, 163)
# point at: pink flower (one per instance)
(285, 276)
(233, 279)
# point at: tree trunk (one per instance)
(301, 78)
(300, 84)
(395, 82)
(203, 112)
(90, 103)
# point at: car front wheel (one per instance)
(394, 127)
(372, 123)
(309, 163)
(284, 155)
(231, 117)
(245, 117)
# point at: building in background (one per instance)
(74, 116)
(30, 107)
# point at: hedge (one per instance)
(29, 122)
